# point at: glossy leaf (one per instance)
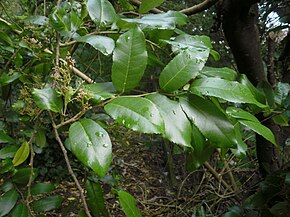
(91, 144)
(101, 91)
(168, 20)
(47, 203)
(129, 60)
(21, 154)
(224, 73)
(47, 99)
(4, 138)
(20, 211)
(103, 44)
(194, 43)
(101, 11)
(139, 114)
(41, 188)
(201, 150)
(96, 200)
(8, 201)
(281, 91)
(177, 126)
(251, 122)
(181, 69)
(147, 5)
(211, 122)
(228, 90)
(259, 95)
(22, 175)
(128, 204)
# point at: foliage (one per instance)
(44, 98)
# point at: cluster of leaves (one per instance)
(198, 108)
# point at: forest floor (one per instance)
(141, 169)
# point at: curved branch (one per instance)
(188, 11)
(199, 8)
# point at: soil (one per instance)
(141, 170)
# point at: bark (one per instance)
(239, 22)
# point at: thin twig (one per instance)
(73, 119)
(81, 191)
(199, 7)
(217, 176)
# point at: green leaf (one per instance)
(139, 114)
(177, 126)
(101, 12)
(211, 122)
(40, 138)
(41, 188)
(251, 122)
(168, 20)
(4, 138)
(22, 175)
(228, 90)
(147, 5)
(201, 150)
(8, 201)
(101, 91)
(103, 44)
(6, 166)
(281, 120)
(224, 73)
(216, 56)
(280, 209)
(20, 211)
(66, 20)
(194, 43)
(181, 69)
(128, 204)
(240, 150)
(6, 79)
(91, 144)
(5, 39)
(47, 203)
(281, 92)
(96, 200)
(195, 159)
(234, 211)
(259, 95)
(37, 20)
(47, 99)
(6, 186)
(129, 60)
(266, 87)
(21, 154)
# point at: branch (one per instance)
(188, 11)
(79, 73)
(199, 8)
(81, 191)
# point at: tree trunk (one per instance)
(239, 22)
